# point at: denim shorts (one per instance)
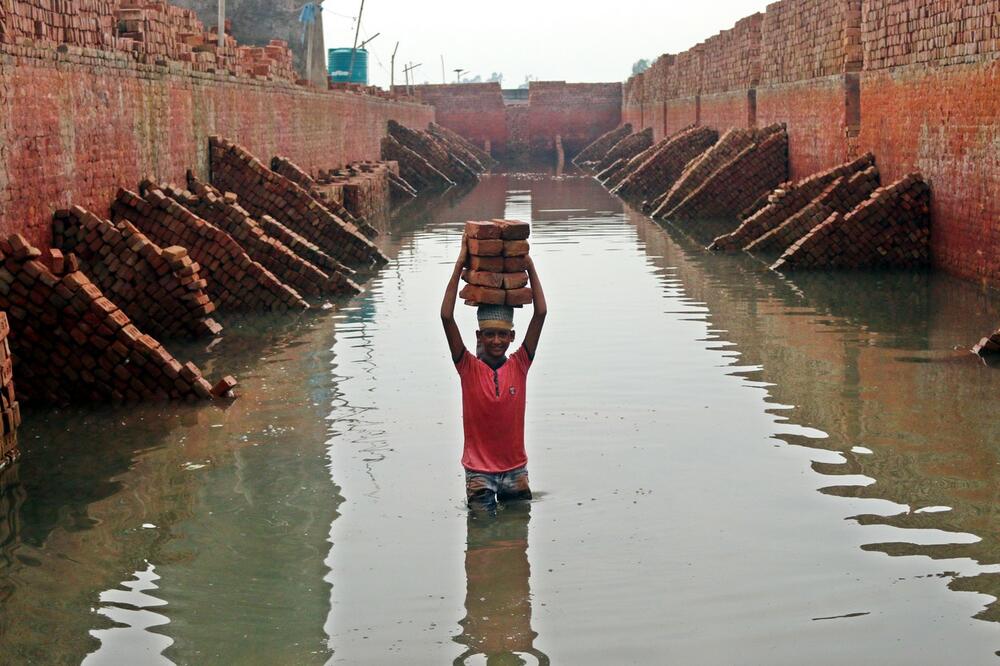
(483, 489)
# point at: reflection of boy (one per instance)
(493, 394)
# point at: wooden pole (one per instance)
(357, 31)
(392, 67)
(222, 23)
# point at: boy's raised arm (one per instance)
(451, 331)
(538, 315)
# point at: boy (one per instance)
(493, 394)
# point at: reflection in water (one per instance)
(879, 361)
(131, 643)
(497, 623)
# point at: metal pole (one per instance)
(392, 67)
(222, 23)
(357, 31)
(443, 79)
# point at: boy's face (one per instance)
(494, 341)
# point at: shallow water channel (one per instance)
(730, 467)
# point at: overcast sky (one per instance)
(546, 39)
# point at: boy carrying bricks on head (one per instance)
(493, 393)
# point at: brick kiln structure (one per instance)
(911, 81)
(655, 176)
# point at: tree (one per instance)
(640, 66)
(497, 77)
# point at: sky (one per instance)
(578, 41)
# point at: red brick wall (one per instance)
(473, 110)
(579, 112)
(74, 128)
(944, 123)
(632, 101)
(681, 112)
(814, 113)
(726, 109)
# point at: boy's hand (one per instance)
(463, 255)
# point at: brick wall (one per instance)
(77, 125)
(578, 112)
(913, 81)
(474, 110)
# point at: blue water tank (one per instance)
(338, 65)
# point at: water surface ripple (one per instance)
(731, 467)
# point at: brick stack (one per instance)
(235, 281)
(610, 173)
(807, 39)
(657, 175)
(424, 144)
(71, 344)
(600, 147)
(841, 196)
(897, 33)
(890, 229)
(498, 263)
(160, 289)
(734, 57)
(263, 192)
(307, 250)
(759, 168)
(400, 191)
(225, 213)
(483, 157)
(10, 409)
(414, 169)
(626, 149)
(988, 347)
(784, 202)
(458, 146)
(273, 61)
(87, 23)
(327, 188)
(611, 181)
(731, 144)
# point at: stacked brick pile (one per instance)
(498, 263)
(731, 144)
(331, 188)
(453, 138)
(841, 196)
(160, 289)
(435, 152)
(400, 191)
(612, 171)
(87, 23)
(72, 344)
(235, 281)
(890, 229)
(786, 201)
(613, 177)
(600, 147)
(273, 61)
(224, 212)
(904, 32)
(809, 39)
(626, 149)
(420, 174)
(657, 175)
(263, 192)
(10, 409)
(307, 250)
(734, 55)
(459, 147)
(758, 168)
(988, 347)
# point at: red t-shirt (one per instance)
(493, 412)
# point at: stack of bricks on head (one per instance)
(497, 270)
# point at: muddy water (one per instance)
(731, 467)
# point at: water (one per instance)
(731, 467)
